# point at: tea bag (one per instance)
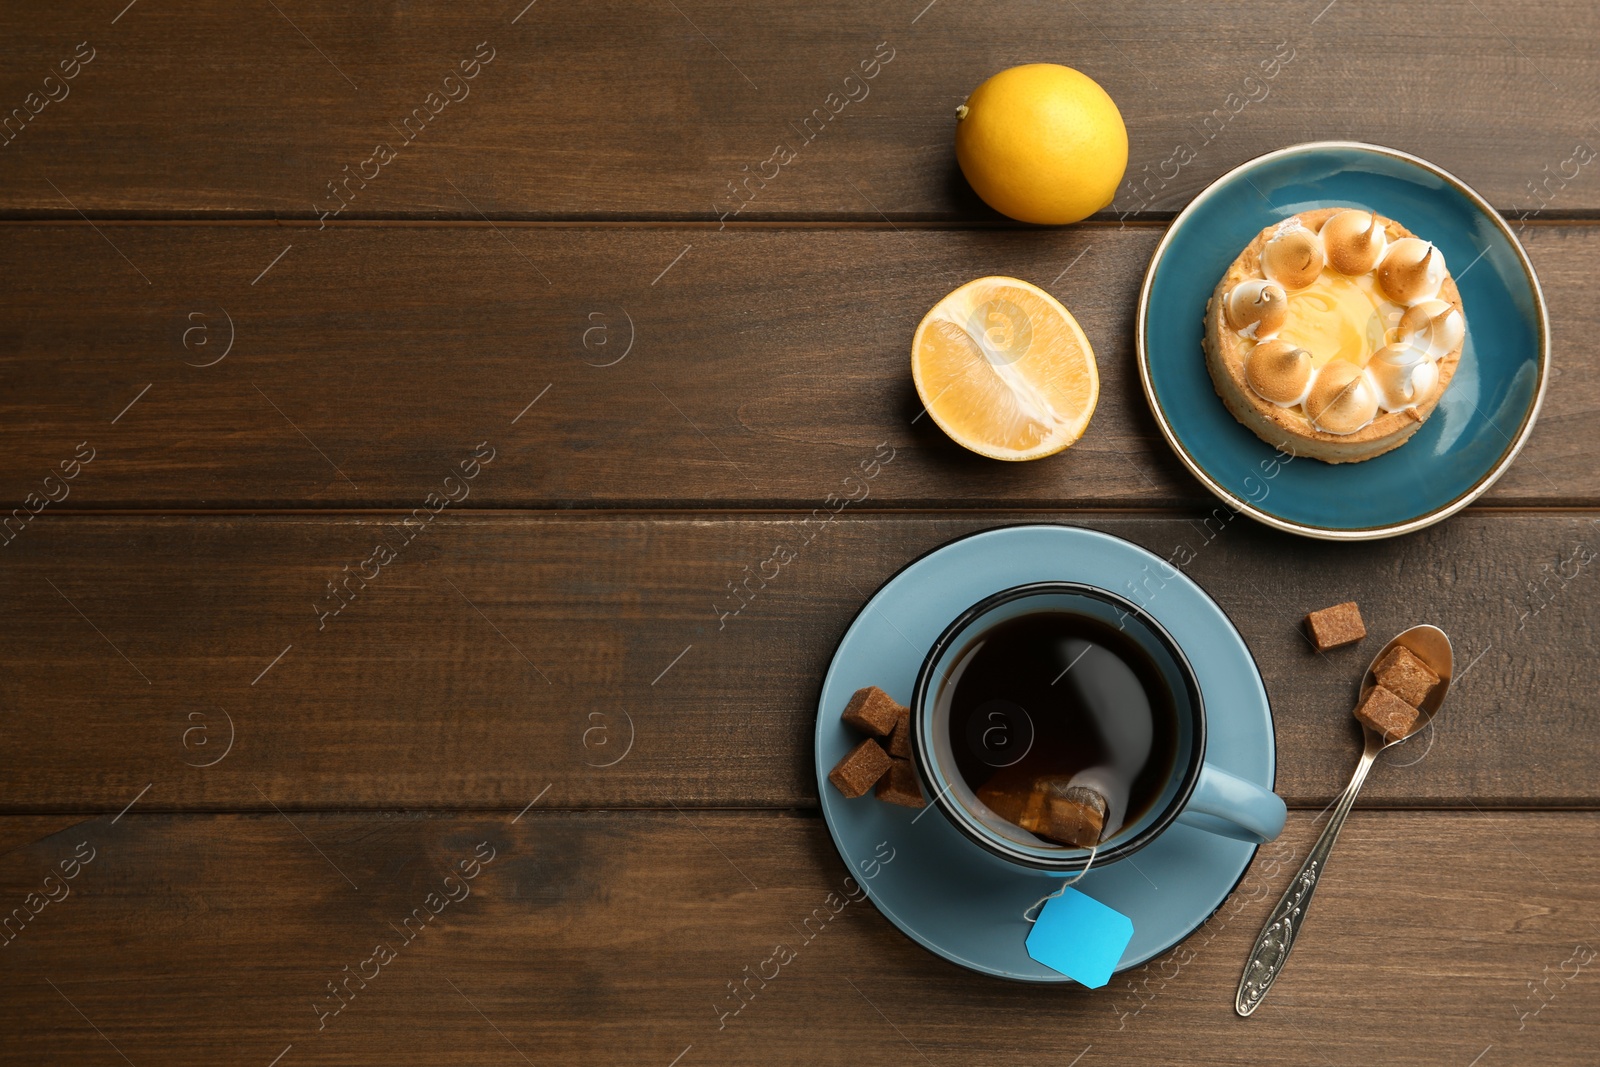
(1056, 807)
(1109, 784)
(1065, 813)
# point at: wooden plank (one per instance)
(470, 672)
(607, 937)
(739, 368)
(21, 831)
(623, 109)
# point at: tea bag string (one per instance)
(1027, 912)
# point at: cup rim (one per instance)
(1071, 860)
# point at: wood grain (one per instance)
(628, 109)
(570, 269)
(755, 370)
(467, 673)
(607, 937)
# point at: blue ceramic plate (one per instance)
(1481, 421)
(946, 892)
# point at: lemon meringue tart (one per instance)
(1334, 334)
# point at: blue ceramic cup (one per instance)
(1195, 792)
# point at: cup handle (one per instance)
(1229, 806)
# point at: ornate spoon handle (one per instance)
(1271, 950)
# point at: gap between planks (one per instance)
(624, 221)
(735, 511)
(1315, 805)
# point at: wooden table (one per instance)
(560, 349)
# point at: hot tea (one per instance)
(1058, 700)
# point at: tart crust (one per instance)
(1288, 429)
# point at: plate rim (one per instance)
(1331, 533)
(834, 833)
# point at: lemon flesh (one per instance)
(1005, 370)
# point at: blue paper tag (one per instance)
(1080, 937)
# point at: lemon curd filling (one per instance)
(1338, 317)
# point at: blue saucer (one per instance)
(1484, 416)
(946, 892)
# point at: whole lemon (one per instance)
(1042, 143)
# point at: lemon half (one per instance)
(1005, 370)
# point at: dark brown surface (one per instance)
(629, 109)
(469, 674)
(665, 393)
(765, 365)
(606, 937)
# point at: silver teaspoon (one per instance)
(1271, 950)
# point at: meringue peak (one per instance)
(1354, 241)
(1434, 326)
(1279, 372)
(1403, 375)
(1257, 308)
(1293, 257)
(1342, 399)
(1412, 271)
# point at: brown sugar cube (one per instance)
(861, 768)
(1387, 714)
(872, 711)
(1335, 626)
(1405, 675)
(900, 740)
(900, 785)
